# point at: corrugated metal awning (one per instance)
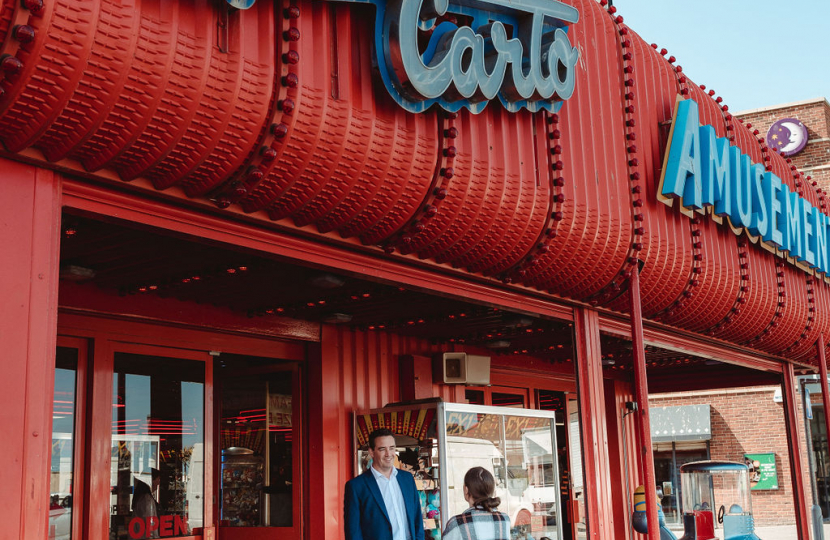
(682, 423)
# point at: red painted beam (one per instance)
(641, 393)
(794, 444)
(594, 431)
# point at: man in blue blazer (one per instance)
(383, 502)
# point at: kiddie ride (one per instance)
(701, 482)
(705, 483)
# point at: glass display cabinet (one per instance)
(438, 442)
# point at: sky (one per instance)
(753, 53)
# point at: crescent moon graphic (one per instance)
(796, 136)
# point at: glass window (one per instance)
(474, 397)
(63, 444)
(504, 399)
(157, 467)
(519, 452)
(532, 491)
(473, 440)
(256, 436)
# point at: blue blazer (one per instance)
(365, 515)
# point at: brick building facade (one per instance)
(748, 421)
(814, 159)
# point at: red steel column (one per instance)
(641, 392)
(29, 247)
(594, 431)
(794, 444)
(825, 389)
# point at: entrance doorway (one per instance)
(259, 456)
(152, 435)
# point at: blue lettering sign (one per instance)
(819, 244)
(740, 180)
(714, 160)
(773, 196)
(702, 170)
(759, 226)
(792, 227)
(682, 177)
(516, 50)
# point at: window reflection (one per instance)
(256, 436)
(157, 466)
(520, 452)
(63, 437)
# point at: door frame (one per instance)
(102, 336)
(80, 489)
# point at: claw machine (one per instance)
(438, 442)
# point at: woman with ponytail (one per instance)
(482, 520)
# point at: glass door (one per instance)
(157, 451)
(259, 436)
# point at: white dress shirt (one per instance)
(390, 490)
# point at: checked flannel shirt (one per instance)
(478, 524)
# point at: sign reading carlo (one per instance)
(516, 50)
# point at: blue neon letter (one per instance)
(773, 199)
(759, 226)
(682, 178)
(792, 226)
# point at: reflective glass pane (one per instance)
(473, 440)
(256, 440)
(504, 399)
(63, 438)
(157, 467)
(532, 485)
(474, 397)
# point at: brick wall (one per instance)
(814, 160)
(747, 421)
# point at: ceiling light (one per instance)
(327, 281)
(337, 318)
(76, 273)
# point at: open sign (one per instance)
(164, 526)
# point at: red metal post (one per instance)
(641, 392)
(30, 240)
(594, 431)
(825, 389)
(794, 444)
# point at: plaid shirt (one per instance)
(478, 524)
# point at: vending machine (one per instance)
(438, 442)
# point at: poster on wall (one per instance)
(762, 473)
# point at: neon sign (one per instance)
(155, 527)
(516, 50)
(704, 171)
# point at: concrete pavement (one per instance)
(783, 532)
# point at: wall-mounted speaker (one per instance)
(462, 368)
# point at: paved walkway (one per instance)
(784, 532)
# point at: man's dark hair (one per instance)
(382, 432)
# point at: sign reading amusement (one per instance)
(707, 174)
(464, 53)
